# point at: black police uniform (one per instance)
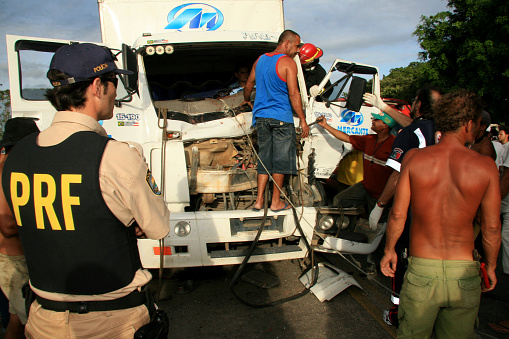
(72, 241)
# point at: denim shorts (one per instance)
(276, 142)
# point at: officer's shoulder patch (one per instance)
(152, 183)
(396, 153)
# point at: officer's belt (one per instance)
(133, 299)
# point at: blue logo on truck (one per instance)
(352, 118)
(197, 15)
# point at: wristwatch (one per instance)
(379, 204)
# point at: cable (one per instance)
(250, 252)
(293, 207)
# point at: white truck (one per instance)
(200, 147)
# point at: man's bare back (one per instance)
(445, 185)
(452, 181)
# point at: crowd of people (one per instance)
(433, 216)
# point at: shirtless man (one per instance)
(12, 261)
(442, 285)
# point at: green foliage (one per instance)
(467, 47)
(403, 82)
(5, 109)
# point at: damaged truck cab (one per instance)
(181, 108)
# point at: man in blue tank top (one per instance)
(277, 97)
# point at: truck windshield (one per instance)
(198, 71)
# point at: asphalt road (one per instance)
(209, 309)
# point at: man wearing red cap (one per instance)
(80, 213)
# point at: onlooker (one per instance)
(503, 137)
(499, 149)
(376, 148)
(348, 172)
(419, 134)
(277, 93)
(503, 325)
(314, 73)
(445, 185)
(12, 261)
(79, 223)
(504, 211)
(483, 144)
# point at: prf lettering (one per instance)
(45, 203)
(100, 68)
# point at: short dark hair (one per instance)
(64, 97)
(427, 99)
(453, 110)
(287, 34)
(503, 128)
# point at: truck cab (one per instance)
(196, 138)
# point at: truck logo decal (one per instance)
(352, 118)
(197, 15)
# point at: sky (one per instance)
(374, 32)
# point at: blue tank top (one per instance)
(272, 100)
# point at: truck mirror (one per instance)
(355, 93)
(130, 63)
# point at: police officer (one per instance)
(80, 199)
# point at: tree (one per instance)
(403, 82)
(467, 47)
(5, 109)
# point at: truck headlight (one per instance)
(325, 223)
(182, 229)
(342, 223)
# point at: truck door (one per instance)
(28, 62)
(340, 113)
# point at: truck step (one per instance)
(257, 251)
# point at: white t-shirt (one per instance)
(505, 200)
(499, 148)
(505, 152)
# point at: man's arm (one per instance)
(390, 188)
(504, 182)
(290, 73)
(387, 194)
(336, 133)
(248, 89)
(397, 218)
(490, 224)
(377, 102)
(8, 226)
